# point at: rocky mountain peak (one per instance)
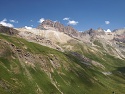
(93, 32)
(48, 24)
(100, 30)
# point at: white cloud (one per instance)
(4, 23)
(107, 22)
(72, 22)
(28, 27)
(41, 20)
(108, 30)
(66, 19)
(13, 21)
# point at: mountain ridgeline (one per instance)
(57, 59)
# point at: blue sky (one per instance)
(81, 14)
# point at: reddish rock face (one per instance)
(48, 24)
(59, 27)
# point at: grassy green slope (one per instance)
(56, 72)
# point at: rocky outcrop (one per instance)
(93, 32)
(48, 24)
(43, 37)
(119, 35)
(8, 30)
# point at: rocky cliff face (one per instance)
(48, 24)
(119, 35)
(93, 32)
(8, 30)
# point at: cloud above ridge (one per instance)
(66, 18)
(27, 27)
(4, 23)
(41, 20)
(70, 22)
(107, 22)
(13, 21)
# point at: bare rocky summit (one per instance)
(8, 30)
(48, 24)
